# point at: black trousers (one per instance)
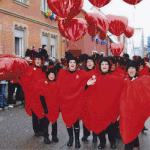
(131, 145)
(76, 130)
(86, 132)
(41, 125)
(111, 134)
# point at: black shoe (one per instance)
(46, 140)
(77, 143)
(41, 133)
(94, 139)
(101, 146)
(144, 129)
(112, 145)
(36, 134)
(55, 139)
(70, 142)
(84, 138)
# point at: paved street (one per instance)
(16, 133)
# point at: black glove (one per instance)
(43, 102)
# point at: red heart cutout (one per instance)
(65, 8)
(116, 49)
(92, 31)
(132, 2)
(73, 29)
(97, 21)
(99, 3)
(117, 24)
(129, 32)
(102, 35)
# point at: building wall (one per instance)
(31, 19)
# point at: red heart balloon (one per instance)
(97, 21)
(92, 31)
(99, 3)
(102, 35)
(132, 2)
(73, 29)
(116, 49)
(129, 32)
(117, 24)
(65, 8)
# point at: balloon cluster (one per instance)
(51, 15)
(98, 40)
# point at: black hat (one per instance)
(132, 64)
(71, 58)
(126, 55)
(91, 58)
(38, 55)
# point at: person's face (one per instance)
(72, 65)
(132, 71)
(141, 67)
(113, 67)
(38, 62)
(104, 66)
(90, 64)
(51, 76)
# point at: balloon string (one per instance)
(133, 26)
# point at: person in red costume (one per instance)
(71, 84)
(90, 64)
(33, 107)
(46, 92)
(103, 103)
(134, 107)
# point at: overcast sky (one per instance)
(138, 17)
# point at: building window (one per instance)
(44, 5)
(19, 44)
(53, 40)
(44, 41)
(24, 3)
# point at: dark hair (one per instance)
(38, 55)
(51, 70)
(126, 55)
(71, 58)
(132, 64)
(91, 58)
(106, 60)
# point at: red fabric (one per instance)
(134, 108)
(102, 102)
(71, 94)
(120, 71)
(28, 80)
(50, 91)
(145, 71)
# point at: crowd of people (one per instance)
(100, 91)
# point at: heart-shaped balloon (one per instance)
(99, 3)
(116, 49)
(97, 21)
(65, 8)
(117, 24)
(73, 29)
(129, 32)
(92, 31)
(132, 2)
(102, 35)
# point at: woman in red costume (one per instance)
(33, 107)
(71, 85)
(103, 103)
(134, 106)
(90, 69)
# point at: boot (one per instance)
(144, 129)
(70, 132)
(46, 140)
(101, 146)
(77, 141)
(54, 132)
(94, 138)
